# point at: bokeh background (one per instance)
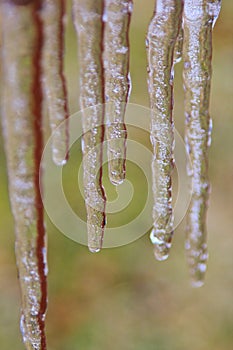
(122, 298)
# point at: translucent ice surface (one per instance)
(162, 35)
(117, 82)
(54, 81)
(199, 18)
(88, 21)
(22, 118)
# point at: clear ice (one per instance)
(117, 16)
(199, 19)
(177, 56)
(21, 118)
(54, 82)
(87, 17)
(163, 31)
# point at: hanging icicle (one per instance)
(22, 117)
(162, 34)
(87, 17)
(117, 82)
(199, 19)
(177, 56)
(30, 26)
(54, 81)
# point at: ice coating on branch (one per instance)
(117, 82)
(21, 112)
(161, 38)
(197, 53)
(54, 81)
(87, 17)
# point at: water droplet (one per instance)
(161, 247)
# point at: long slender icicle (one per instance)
(117, 82)
(54, 81)
(199, 19)
(21, 109)
(87, 16)
(161, 38)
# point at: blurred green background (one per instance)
(122, 298)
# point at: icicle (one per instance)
(162, 34)
(54, 81)
(21, 111)
(117, 82)
(178, 46)
(87, 16)
(198, 22)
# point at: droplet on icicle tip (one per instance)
(95, 238)
(94, 249)
(116, 177)
(197, 284)
(58, 158)
(161, 248)
(116, 152)
(197, 278)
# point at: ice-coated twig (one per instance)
(54, 81)
(199, 18)
(117, 16)
(22, 118)
(87, 17)
(161, 38)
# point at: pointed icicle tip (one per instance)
(161, 247)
